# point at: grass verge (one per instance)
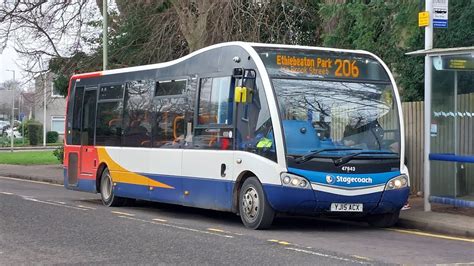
(28, 157)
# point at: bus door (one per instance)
(207, 165)
(88, 151)
(73, 140)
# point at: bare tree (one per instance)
(44, 28)
(145, 31)
(194, 24)
(41, 30)
(193, 20)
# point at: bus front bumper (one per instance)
(310, 202)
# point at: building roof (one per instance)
(443, 51)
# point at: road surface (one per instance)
(44, 223)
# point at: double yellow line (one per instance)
(418, 233)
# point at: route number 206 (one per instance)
(346, 68)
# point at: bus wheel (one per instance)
(384, 220)
(107, 192)
(254, 209)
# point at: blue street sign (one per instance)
(440, 23)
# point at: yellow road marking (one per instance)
(123, 213)
(361, 257)
(160, 220)
(281, 242)
(7, 193)
(215, 230)
(223, 231)
(30, 181)
(470, 240)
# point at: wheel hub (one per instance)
(106, 185)
(250, 204)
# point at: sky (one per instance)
(8, 59)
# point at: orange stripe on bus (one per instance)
(122, 175)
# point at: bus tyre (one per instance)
(254, 209)
(384, 220)
(107, 191)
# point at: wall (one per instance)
(55, 105)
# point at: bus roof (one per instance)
(245, 45)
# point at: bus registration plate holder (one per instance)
(347, 207)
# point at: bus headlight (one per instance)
(398, 182)
(295, 181)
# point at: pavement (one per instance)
(452, 221)
(47, 173)
(443, 219)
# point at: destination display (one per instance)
(321, 64)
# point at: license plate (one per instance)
(347, 207)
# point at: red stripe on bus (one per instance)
(87, 75)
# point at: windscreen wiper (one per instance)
(313, 153)
(346, 159)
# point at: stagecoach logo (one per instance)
(347, 179)
(330, 179)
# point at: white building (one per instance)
(55, 104)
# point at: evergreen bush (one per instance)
(35, 130)
(59, 153)
(52, 137)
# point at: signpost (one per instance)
(427, 126)
(13, 110)
(440, 13)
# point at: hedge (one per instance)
(35, 132)
(52, 137)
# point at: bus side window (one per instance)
(188, 122)
(249, 82)
(168, 109)
(214, 117)
(109, 115)
(76, 116)
(137, 114)
(254, 126)
(88, 117)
